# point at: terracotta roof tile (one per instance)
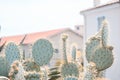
(16, 39)
(30, 38)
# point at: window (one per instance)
(100, 19)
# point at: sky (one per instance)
(27, 16)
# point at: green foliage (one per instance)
(30, 65)
(3, 66)
(42, 52)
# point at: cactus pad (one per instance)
(103, 58)
(69, 69)
(3, 66)
(42, 52)
(12, 53)
(91, 45)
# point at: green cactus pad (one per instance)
(103, 58)
(69, 69)
(42, 52)
(91, 46)
(12, 53)
(3, 66)
(104, 33)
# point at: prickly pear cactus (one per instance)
(30, 65)
(3, 66)
(68, 69)
(12, 53)
(97, 49)
(32, 76)
(74, 53)
(42, 52)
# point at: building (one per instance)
(93, 18)
(54, 36)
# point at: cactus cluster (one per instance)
(68, 69)
(98, 50)
(42, 52)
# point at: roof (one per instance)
(31, 37)
(16, 39)
(103, 5)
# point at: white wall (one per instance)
(112, 14)
(57, 44)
